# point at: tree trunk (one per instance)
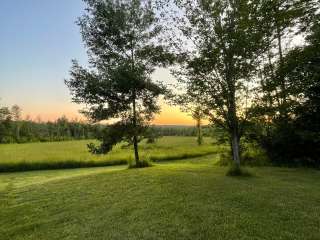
(283, 111)
(135, 137)
(18, 131)
(235, 148)
(234, 125)
(199, 132)
(136, 152)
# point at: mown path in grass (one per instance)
(74, 154)
(189, 199)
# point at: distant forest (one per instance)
(14, 129)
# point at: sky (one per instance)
(38, 39)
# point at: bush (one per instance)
(250, 155)
(253, 155)
(288, 145)
(225, 159)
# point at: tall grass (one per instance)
(74, 154)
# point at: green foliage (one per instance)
(151, 135)
(251, 154)
(14, 129)
(114, 134)
(5, 125)
(227, 40)
(293, 138)
(179, 130)
(254, 155)
(121, 41)
(30, 131)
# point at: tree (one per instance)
(285, 20)
(123, 48)
(188, 102)
(287, 76)
(5, 125)
(16, 116)
(16, 112)
(227, 40)
(198, 115)
(298, 141)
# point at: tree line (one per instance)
(14, 129)
(187, 131)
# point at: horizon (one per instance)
(40, 38)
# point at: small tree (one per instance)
(16, 116)
(121, 38)
(16, 112)
(5, 125)
(189, 103)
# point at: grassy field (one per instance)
(74, 154)
(188, 199)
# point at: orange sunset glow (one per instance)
(169, 115)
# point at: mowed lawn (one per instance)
(72, 154)
(189, 199)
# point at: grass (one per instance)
(235, 171)
(74, 154)
(188, 199)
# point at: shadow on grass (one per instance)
(235, 171)
(70, 164)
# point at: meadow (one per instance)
(185, 199)
(74, 154)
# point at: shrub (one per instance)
(254, 155)
(250, 155)
(225, 159)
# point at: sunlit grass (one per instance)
(74, 154)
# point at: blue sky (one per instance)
(38, 39)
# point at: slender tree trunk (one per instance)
(283, 94)
(18, 131)
(199, 132)
(234, 125)
(235, 148)
(136, 152)
(135, 137)
(282, 83)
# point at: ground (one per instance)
(188, 199)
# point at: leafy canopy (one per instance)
(123, 48)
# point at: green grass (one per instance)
(74, 154)
(179, 200)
